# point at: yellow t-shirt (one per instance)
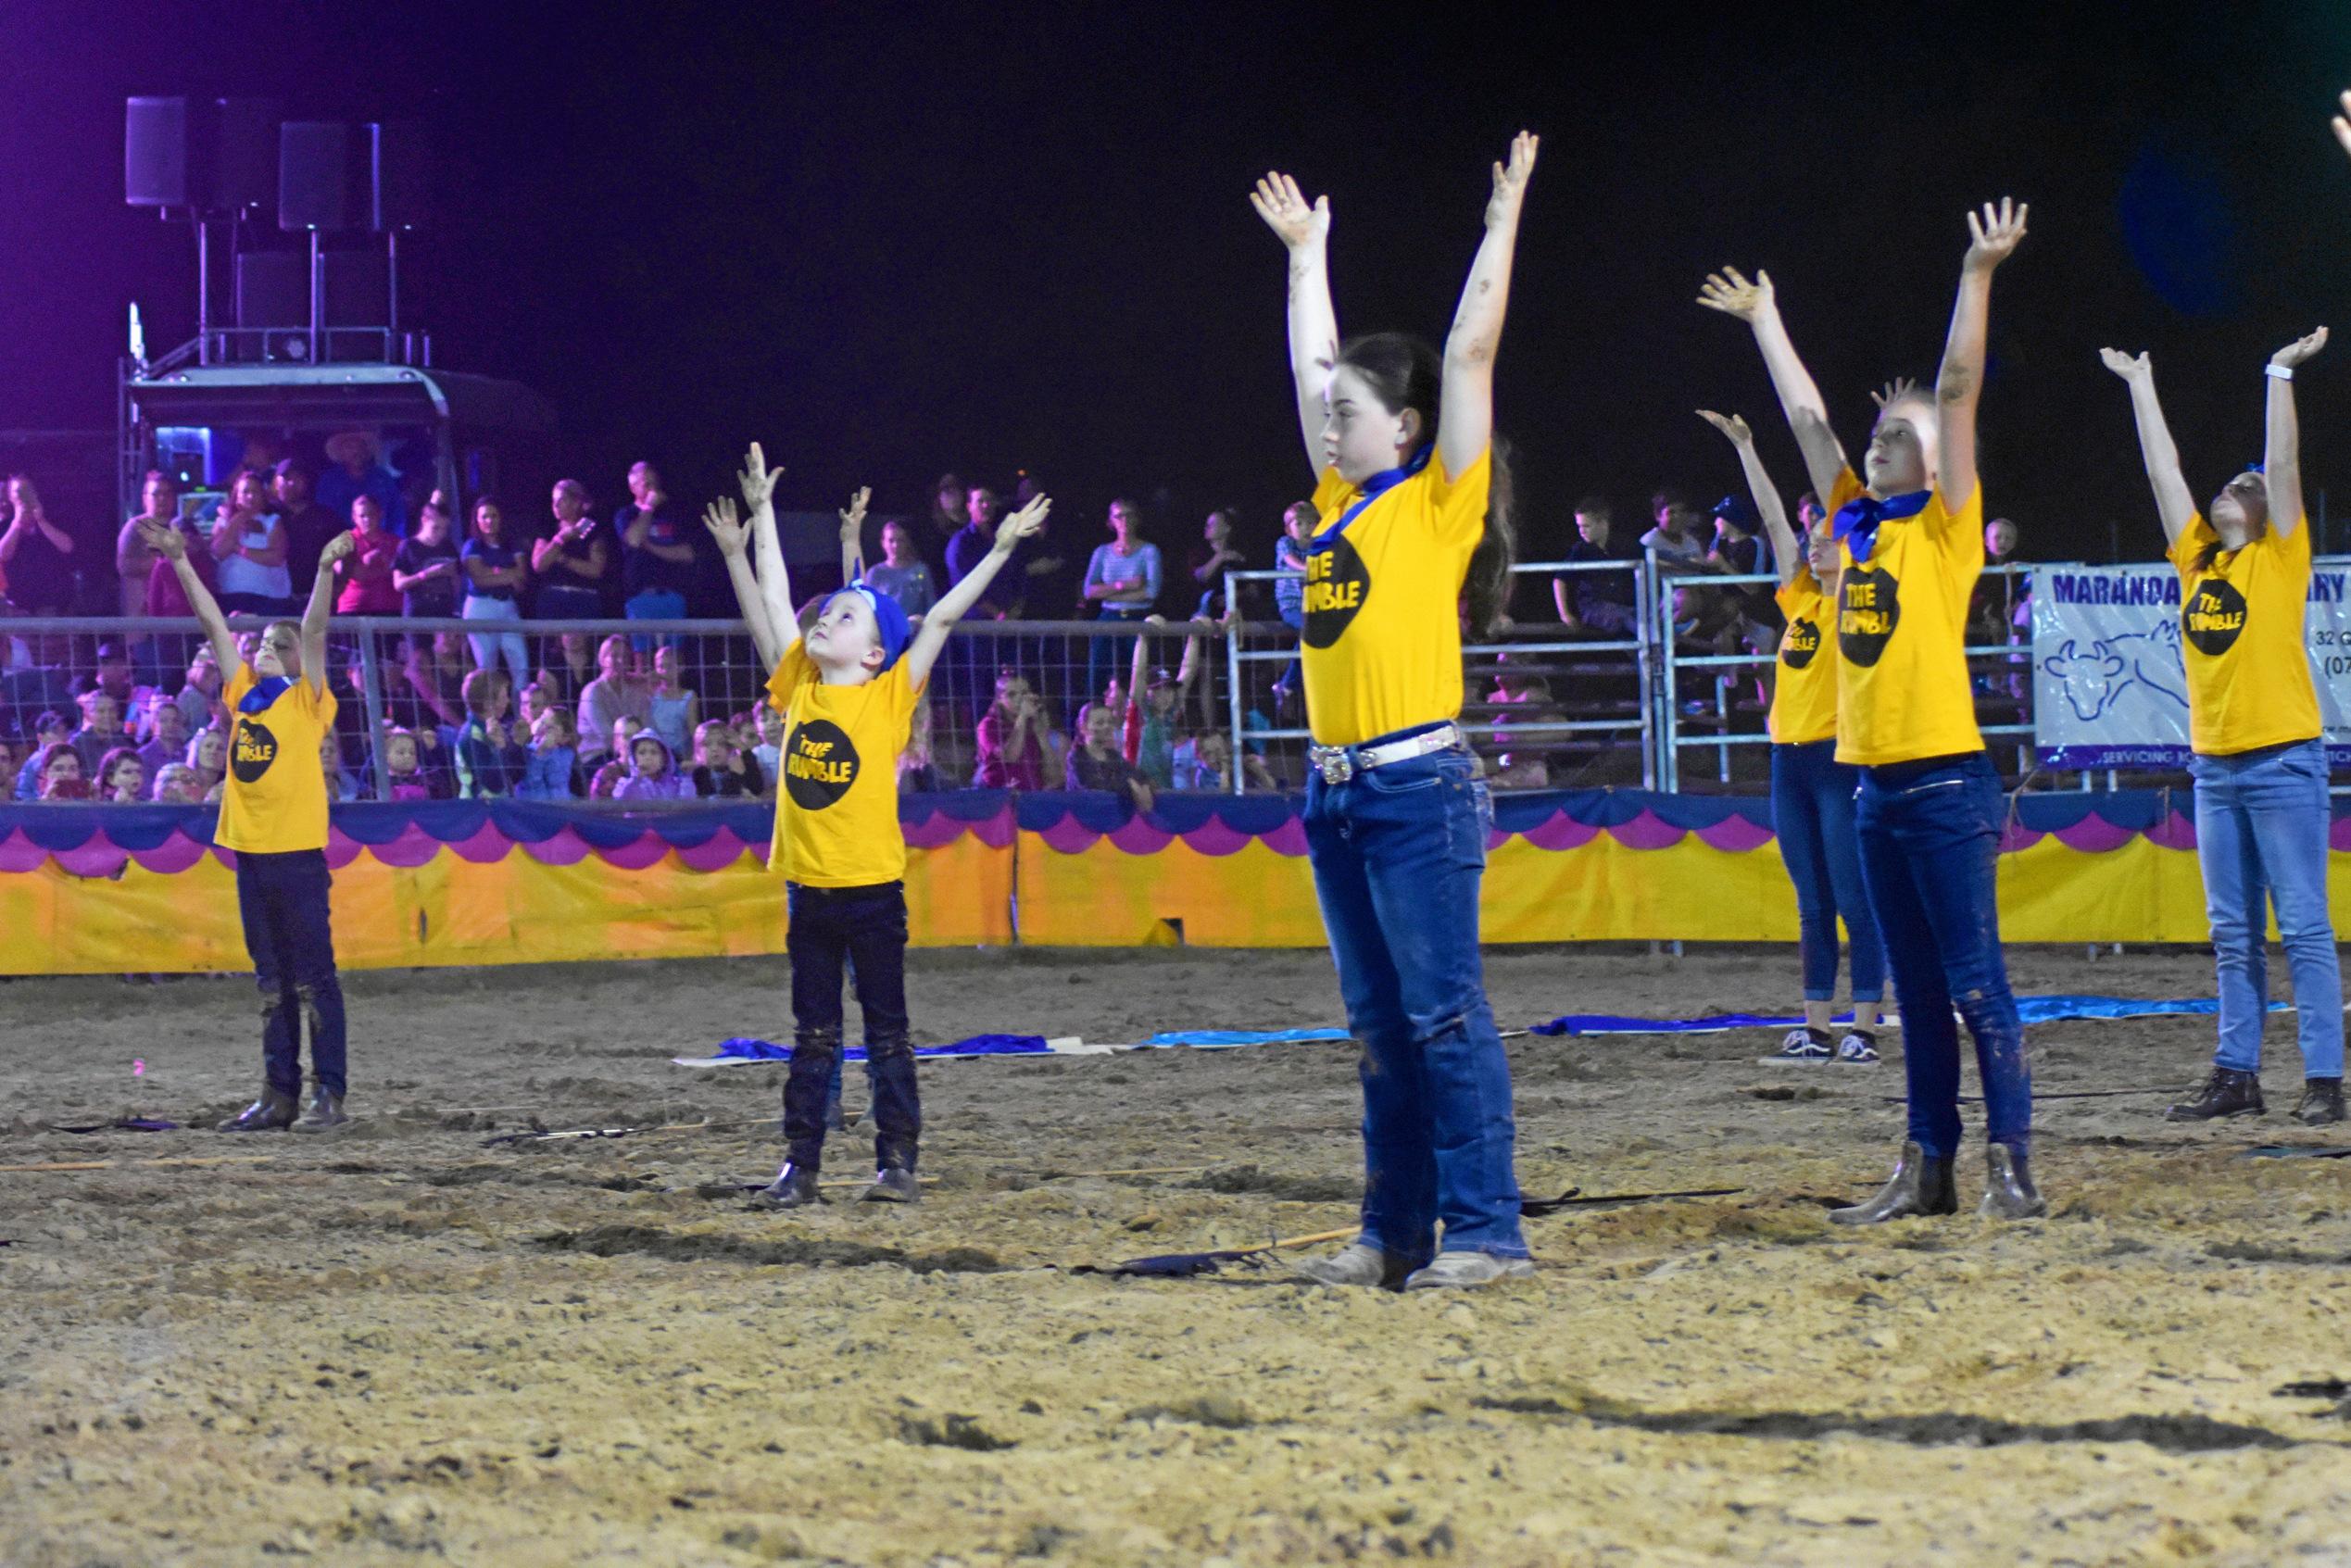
(2242, 639)
(1901, 632)
(273, 796)
(837, 800)
(1382, 639)
(1803, 690)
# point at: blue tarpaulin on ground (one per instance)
(2035, 1010)
(744, 1048)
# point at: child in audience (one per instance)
(52, 728)
(721, 770)
(676, 713)
(1098, 764)
(165, 735)
(122, 778)
(176, 785)
(652, 772)
(848, 688)
(917, 773)
(608, 774)
(552, 771)
(208, 754)
(769, 750)
(56, 772)
(490, 760)
(342, 784)
(409, 780)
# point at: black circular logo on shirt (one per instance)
(1336, 585)
(1799, 643)
(1869, 607)
(819, 764)
(2213, 617)
(251, 751)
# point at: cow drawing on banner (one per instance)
(2097, 678)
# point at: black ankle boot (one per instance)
(268, 1114)
(1920, 1186)
(794, 1187)
(2321, 1102)
(2226, 1093)
(2008, 1193)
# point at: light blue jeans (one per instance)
(489, 648)
(2261, 838)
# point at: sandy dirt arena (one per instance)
(397, 1343)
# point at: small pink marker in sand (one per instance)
(138, 1067)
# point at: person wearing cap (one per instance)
(847, 690)
(52, 728)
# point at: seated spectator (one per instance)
(59, 773)
(552, 771)
(904, 575)
(52, 729)
(1098, 764)
(341, 782)
(1597, 602)
(1676, 541)
(112, 675)
(615, 702)
(917, 773)
(1526, 765)
(652, 772)
(368, 571)
(208, 756)
(615, 766)
(657, 554)
(532, 704)
(1016, 739)
(176, 785)
(100, 732)
(250, 553)
(36, 555)
(490, 761)
(721, 770)
(1217, 552)
(1999, 611)
(672, 711)
(566, 668)
(1206, 762)
(358, 471)
(768, 751)
(121, 778)
(425, 567)
(402, 762)
(1147, 736)
(200, 700)
(1289, 595)
(572, 562)
(134, 557)
(309, 523)
(12, 760)
(427, 689)
(494, 578)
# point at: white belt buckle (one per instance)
(1335, 765)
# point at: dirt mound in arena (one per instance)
(407, 1341)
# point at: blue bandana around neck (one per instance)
(1374, 488)
(1857, 520)
(266, 690)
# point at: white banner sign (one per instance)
(2108, 689)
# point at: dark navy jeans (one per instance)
(282, 899)
(1929, 839)
(1398, 854)
(1812, 810)
(832, 928)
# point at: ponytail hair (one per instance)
(1404, 372)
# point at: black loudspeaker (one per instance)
(320, 177)
(203, 154)
(397, 177)
(358, 287)
(156, 145)
(273, 288)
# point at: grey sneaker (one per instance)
(1459, 1271)
(1357, 1264)
(892, 1184)
(1858, 1049)
(1800, 1048)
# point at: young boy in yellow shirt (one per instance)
(848, 691)
(274, 814)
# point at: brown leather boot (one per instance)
(268, 1114)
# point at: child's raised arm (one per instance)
(166, 542)
(2282, 460)
(1787, 551)
(1757, 304)
(2174, 505)
(757, 482)
(1465, 407)
(733, 537)
(923, 652)
(1314, 324)
(314, 617)
(1959, 384)
(853, 535)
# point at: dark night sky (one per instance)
(893, 240)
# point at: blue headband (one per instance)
(889, 619)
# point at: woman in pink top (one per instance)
(368, 588)
(1014, 752)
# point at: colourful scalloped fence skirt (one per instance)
(143, 890)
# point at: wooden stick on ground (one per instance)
(111, 1165)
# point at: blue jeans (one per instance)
(1398, 854)
(2261, 828)
(655, 604)
(1930, 837)
(489, 648)
(831, 929)
(1811, 816)
(282, 899)
(1108, 656)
